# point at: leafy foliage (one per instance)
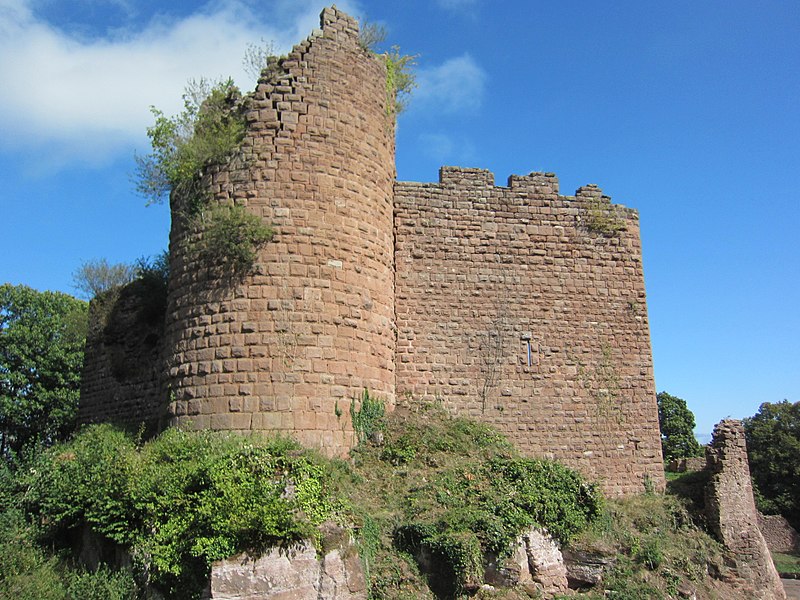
(654, 543)
(183, 500)
(29, 573)
(434, 487)
(482, 507)
(368, 418)
(42, 335)
(773, 449)
(229, 238)
(400, 78)
(207, 131)
(676, 422)
(96, 277)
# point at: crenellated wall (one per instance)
(287, 348)
(526, 309)
(514, 305)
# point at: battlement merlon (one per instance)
(538, 184)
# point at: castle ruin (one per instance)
(513, 305)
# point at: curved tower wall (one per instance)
(288, 347)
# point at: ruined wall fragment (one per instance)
(732, 514)
(122, 370)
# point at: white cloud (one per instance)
(447, 149)
(89, 99)
(455, 86)
(457, 5)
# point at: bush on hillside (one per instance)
(183, 500)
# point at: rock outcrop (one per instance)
(296, 573)
(535, 561)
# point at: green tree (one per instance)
(42, 335)
(773, 448)
(676, 422)
(94, 277)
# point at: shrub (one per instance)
(400, 79)
(103, 584)
(182, 500)
(207, 131)
(482, 507)
(603, 218)
(368, 417)
(228, 238)
(26, 573)
(95, 277)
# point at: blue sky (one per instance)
(687, 111)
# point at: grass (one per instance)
(787, 563)
(451, 489)
(658, 545)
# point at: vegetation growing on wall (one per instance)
(227, 238)
(367, 417)
(400, 77)
(95, 277)
(207, 132)
(602, 217)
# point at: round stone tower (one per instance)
(288, 346)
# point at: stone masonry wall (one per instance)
(514, 308)
(778, 533)
(287, 348)
(122, 364)
(732, 512)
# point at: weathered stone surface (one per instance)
(778, 533)
(122, 371)
(314, 324)
(535, 559)
(290, 574)
(682, 465)
(512, 311)
(732, 514)
(585, 569)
